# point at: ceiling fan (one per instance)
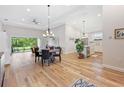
(35, 21)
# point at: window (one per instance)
(20, 44)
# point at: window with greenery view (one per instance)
(23, 44)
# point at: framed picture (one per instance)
(119, 33)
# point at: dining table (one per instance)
(51, 51)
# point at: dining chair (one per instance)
(51, 48)
(58, 53)
(33, 50)
(46, 57)
(37, 54)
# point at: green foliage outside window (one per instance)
(23, 44)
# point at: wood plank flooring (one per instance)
(24, 72)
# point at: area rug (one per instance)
(82, 83)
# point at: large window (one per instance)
(20, 44)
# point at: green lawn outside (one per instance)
(21, 49)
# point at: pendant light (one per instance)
(48, 33)
(84, 35)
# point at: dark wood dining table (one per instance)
(51, 51)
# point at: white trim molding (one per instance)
(113, 67)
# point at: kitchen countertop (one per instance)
(1, 53)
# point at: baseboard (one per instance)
(113, 67)
(68, 52)
(98, 52)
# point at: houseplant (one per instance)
(79, 48)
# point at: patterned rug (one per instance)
(82, 83)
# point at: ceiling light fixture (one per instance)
(48, 16)
(28, 10)
(99, 14)
(23, 19)
(84, 35)
(35, 21)
(48, 33)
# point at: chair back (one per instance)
(36, 49)
(36, 54)
(33, 50)
(51, 48)
(59, 50)
(45, 54)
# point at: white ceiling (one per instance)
(17, 15)
(92, 16)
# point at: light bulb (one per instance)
(51, 32)
(44, 35)
(98, 14)
(28, 10)
(47, 32)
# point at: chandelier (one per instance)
(48, 33)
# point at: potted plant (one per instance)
(79, 47)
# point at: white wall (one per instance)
(113, 55)
(1, 36)
(2, 40)
(0, 26)
(4, 43)
(71, 34)
(60, 35)
(22, 32)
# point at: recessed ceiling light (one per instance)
(23, 19)
(39, 23)
(48, 16)
(28, 10)
(98, 14)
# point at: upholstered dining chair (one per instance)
(46, 56)
(37, 54)
(33, 50)
(58, 53)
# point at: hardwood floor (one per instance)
(23, 72)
